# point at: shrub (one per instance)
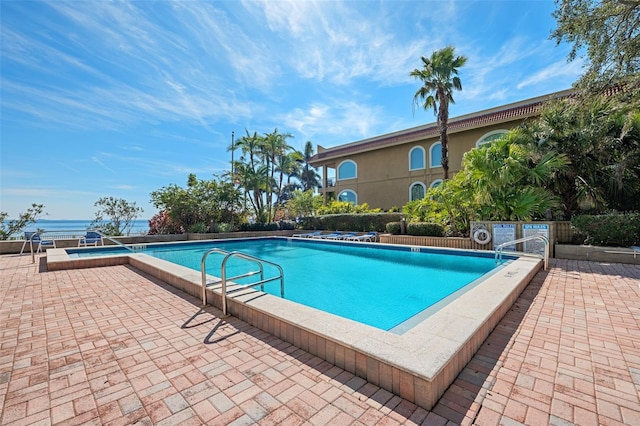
(393, 228)
(162, 224)
(286, 225)
(361, 222)
(425, 229)
(199, 228)
(611, 229)
(222, 227)
(252, 227)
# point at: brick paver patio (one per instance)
(113, 346)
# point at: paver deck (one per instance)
(114, 346)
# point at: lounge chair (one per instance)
(34, 238)
(307, 235)
(331, 236)
(369, 236)
(91, 238)
(346, 236)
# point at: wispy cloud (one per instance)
(555, 70)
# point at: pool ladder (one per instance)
(224, 278)
(500, 248)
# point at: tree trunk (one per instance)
(443, 118)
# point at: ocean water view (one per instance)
(139, 227)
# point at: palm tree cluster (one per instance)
(269, 170)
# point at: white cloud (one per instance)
(554, 71)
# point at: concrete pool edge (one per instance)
(418, 365)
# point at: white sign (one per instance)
(534, 246)
(503, 233)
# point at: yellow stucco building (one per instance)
(390, 170)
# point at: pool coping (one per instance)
(418, 365)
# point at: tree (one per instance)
(608, 32)
(600, 136)
(303, 203)
(120, 212)
(439, 77)
(309, 176)
(265, 162)
(11, 227)
(200, 204)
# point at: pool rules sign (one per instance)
(534, 246)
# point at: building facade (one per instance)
(389, 170)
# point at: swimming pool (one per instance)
(382, 287)
(417, 364)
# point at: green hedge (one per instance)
(612, 229)
(361, 222)
(425, 229)
(272, 226)
(394, 228)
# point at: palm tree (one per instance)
(309, 177)
(439, 76)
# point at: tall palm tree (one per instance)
(439, 76)
(309, 176)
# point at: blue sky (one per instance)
(117, 98)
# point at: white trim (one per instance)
(491, 133)
(433, 145)
(436, 183)
(424, 158)
(424, 188)
(351, 191)
(340, 165)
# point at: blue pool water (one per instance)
(377, 285)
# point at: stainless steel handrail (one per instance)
(500, 248)
(203, 271)
(224, 279)
(261, 282)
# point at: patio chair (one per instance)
(345, 236)
(330, 236)
(34, 238)
(369, 236)
(307, 235)
(91, 238)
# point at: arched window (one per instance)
(348, 196)
(347, 170)
(490, 137)
(417, 191)
(416, 158)
(435, 155)
(435, 183)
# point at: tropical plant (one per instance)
(118, 213)
(201, 202)
(600, 137)
(303, 203)
(439, 77)
(509, 181)
(337, 207)
(265, 172)
(309, 175)
(162, 224)
(11, 227)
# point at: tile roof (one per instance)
(499, 115)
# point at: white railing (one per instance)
(500, 248)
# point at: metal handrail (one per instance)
(203, 271)
(224, 278)
(500, 248)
